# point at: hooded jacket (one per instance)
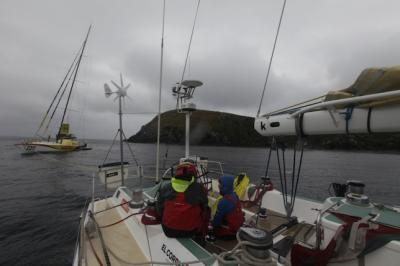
(228, 202)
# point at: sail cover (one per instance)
(370, 105)
(371, 81)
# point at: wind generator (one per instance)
(114, 172)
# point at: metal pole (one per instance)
(121, 144)
(92, 193)
(74, 79)
(159, 98)
(187, 134)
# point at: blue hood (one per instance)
(226, 182)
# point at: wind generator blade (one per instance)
(115, 84)
(122, 81)
(116, 98)
(129, 98)
(127, 86)
(107, 90)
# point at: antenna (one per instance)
(184, 92)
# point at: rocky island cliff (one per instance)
(225, 129)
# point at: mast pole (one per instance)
(74, 79)
(121, 146)
(187, 135)
(159, 98)
(58, 91)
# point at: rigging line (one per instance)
(190, 41)
(293, 172)
(102, 242)
(280, 172)
(73, 81)
(58, 91)
(121, 220)
(159, 95)
(109, 150)
(299, 105)
(301, 143)
(284, 172)
(130, 150)
(60, 98)
(269, 157)
(272, 56)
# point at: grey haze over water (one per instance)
(42, 195)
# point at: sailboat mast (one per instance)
(58, 92)
(159, 97)
(74, 79)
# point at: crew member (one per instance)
(183, 204)
(240, 184)
(229, 215)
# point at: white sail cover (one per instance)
(370, 105)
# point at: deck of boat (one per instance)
(301, 232)
(121, 246)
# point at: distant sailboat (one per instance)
(64, 140)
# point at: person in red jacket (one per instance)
(183, 204)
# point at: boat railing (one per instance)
(318, 224)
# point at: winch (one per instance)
(258, 243)
(355, 193)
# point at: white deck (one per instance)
(122, 246)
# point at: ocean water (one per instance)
(42, 195)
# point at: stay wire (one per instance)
(269, 157)
(60, 98)
(301, 142)
(130, 149)
(284, 172)
(58, 91)
(190, 41)
(280, 174)
(272, 56)
(112, 144)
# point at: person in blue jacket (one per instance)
(229, 216)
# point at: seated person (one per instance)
(229, 216)
(240, 184)
(183, 204)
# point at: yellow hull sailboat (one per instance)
(64, 140)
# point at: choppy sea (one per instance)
(42, 195)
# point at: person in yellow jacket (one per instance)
(240, 184)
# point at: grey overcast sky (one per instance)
(323, 46)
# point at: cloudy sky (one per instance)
(323, 45)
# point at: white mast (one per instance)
(184, 92)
